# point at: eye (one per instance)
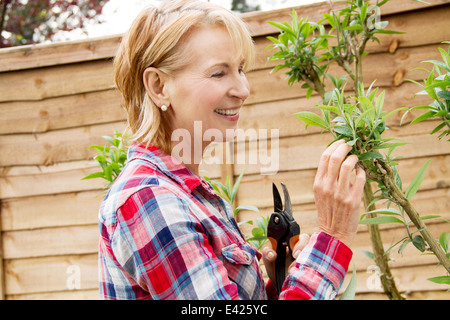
(218, 74)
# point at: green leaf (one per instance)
(311, 118)
(415, 184)
(328, 108)
(252, 208)
(389, 31)
(379, 220)
(370, 155)
(283, 27)
(440, 279)
(443, 241)
(385, 211)
(390, 145)
(424, 116)
(419, 243)
(444, 94)
(369, 254)
(94, 175)
(429, 217)
(257, 232)
(349, 293)
(235, 187)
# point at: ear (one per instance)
(155, 84)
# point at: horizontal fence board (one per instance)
(55, 146)
(258, 25)
(256, 190)
(428, 202)
(97, 75)
(38, 84)
(61, 295)
(262, 115)
(31, 181)
(104, 107)
(26, 181)
(303, 152)
(416, 295)
(409, 280)
(44, 55)
(385, 69)
(34, 56)
(50, 242)
(60, 113)
(54, 210)
(52, 274)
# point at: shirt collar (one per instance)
(170, 166)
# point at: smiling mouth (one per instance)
(227, 112)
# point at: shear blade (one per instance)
(287, 201)
(277, 204)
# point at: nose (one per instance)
(240, 88)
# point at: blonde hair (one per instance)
(153, 40)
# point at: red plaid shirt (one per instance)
(165, 234)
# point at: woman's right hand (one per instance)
(337, 198)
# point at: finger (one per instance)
(360, 181)
(300, 245)
(325, 158)
(269, 255)
(336, 160)
(345, 173)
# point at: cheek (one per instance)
(210, 96)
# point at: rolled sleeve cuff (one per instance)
(320, 269)
(328, 256)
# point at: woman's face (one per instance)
(212, 87)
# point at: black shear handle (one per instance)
(279, 265)
(276, 232)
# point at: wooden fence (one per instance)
(58, 99)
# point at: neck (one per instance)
(189, 154)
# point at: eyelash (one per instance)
(220, 74)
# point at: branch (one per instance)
(400, 198)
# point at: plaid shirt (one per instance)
(165, 234)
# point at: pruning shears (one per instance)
(283, 232)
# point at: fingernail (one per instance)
(270, 255)
(296, 253)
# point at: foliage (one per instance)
(111, 159)
(437, 86)
(359, 119)
(350, 291)
(242, 6)
(303, 46)
(34, 21)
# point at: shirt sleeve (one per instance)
(165, 249)
(319, 271)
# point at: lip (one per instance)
(234, 117)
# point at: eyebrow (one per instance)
(226, 65)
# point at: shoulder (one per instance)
(140, 184)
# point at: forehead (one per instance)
(209, 44)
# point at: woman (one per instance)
(165, 234)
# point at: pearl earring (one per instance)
(164, 107)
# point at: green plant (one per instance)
(358, 118)
(437, 86)
(110, 158)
